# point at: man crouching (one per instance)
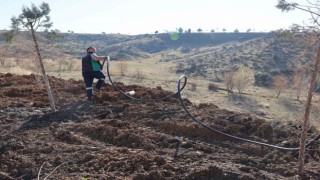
(91, 68)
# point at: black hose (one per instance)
(228, 135)
(178, 93)
(126, 95)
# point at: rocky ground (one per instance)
(119, 138)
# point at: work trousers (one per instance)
(88, 79)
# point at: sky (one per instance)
(147, 16)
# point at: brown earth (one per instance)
(119, 138)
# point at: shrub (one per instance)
(263, 79)
(212, 87)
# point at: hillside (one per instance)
(119, 138)
(198, 54)
(136, 46)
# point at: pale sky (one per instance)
(148, 16)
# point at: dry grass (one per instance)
(19, 71)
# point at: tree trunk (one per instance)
(278, 94)
(305, 124)
(43, 72)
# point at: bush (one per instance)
(212, 87)
(263, 79)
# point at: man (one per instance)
(91, 68)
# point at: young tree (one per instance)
(312, 9)
(32, 19)
(123, 67)
(228, 79)
(279, 85)
(298, 81)
(243, 78)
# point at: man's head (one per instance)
(91, 50)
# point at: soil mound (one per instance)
(119, 138)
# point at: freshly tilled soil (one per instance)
(115, 137)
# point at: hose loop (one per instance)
(133, 98)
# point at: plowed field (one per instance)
(119, 138)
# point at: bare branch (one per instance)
(54, 170)
(40, 170)
(300, 7)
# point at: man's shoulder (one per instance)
(86, 56)
(92, 55)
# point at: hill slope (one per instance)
(197, 54)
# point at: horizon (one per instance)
(147, 17)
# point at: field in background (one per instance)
(152, 73)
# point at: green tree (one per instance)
(180, 30)
(312, 9)
(32, 19)
(199, 30)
